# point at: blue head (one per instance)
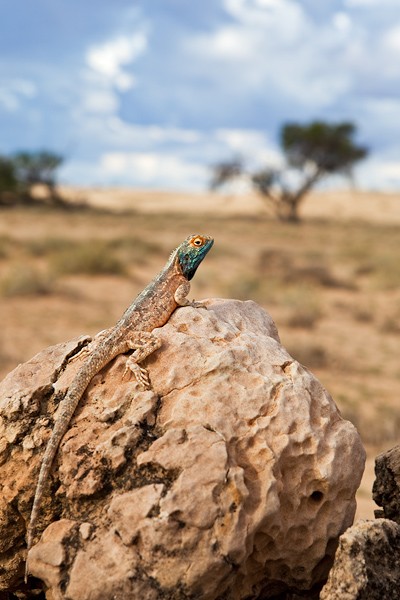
(191, 252)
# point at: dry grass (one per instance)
(90, 257)
(4, 246)
(332, 287)
(304, 307)
(312, 356)
(25, 280)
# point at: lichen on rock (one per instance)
(233, 478)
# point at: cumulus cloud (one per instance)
(371, 3)
(273, 48)
(391, 39)
(109, 58)
(151, 134)
(106, 72)
(153, 156)
(97, 100)
(379, 173)
(210, 90)
(342, 21)
(277, 45)
(155, 169)
(251, 145)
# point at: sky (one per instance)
(151, 93)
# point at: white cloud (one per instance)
(391, 39)
(259, 25)
(108, 59)
(105, 76)
(379, 173)
(250, 144)
(152, 134)
(275, 45)
(371, 3)
(141, 169)
(217, 88)
(391, 170)
(99, 101)
(154, 169)
(155, 156)
(342, 21)
(110, 130)
(266, 13)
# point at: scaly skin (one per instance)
(151, 309)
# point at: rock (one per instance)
(386, 488)
(233, 478)
(366, 565)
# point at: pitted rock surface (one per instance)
(233, 478)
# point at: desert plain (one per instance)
(331, 282)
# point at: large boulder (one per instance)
(232, 478)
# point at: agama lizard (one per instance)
(151, 309)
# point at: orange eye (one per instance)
(197, 242)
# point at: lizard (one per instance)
(151, 308)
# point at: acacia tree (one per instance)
(39, 167)
(8, 180)
(311, 152)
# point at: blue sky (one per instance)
(150, 93)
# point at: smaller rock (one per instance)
(47, 557)
(386, 489)
(366, 563)
(85, 530)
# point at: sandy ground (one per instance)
(376, 207)
(361, 370)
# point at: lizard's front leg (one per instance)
(181, 294)
(181, 297)
(143, 344)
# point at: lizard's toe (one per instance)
(143, 378)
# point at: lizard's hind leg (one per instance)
(143, 345)
(87, 350)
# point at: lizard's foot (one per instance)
(140, 373)
(196, 304)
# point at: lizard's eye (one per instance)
(197, 242)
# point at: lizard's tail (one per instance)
(67, 409)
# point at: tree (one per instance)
(8, 180)
(224, 171)
(312, 152)
(39, 167)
